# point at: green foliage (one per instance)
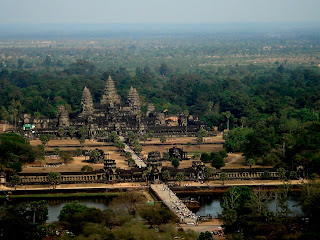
(223, 177)
(163, 139)
(15, 150)
(175, 162)
(266, 175)
(180, 177)
(165, 175)
(44, 138)
(128, 155)
(66, 157)
(156, 215)
(235, 139)
(272, 158)
(38, 211)
(114, 137)
(54, 178)
(150, 134)
(260, 142)
(15, 180)
(216, 160)
(205, 236)
(69, 211)
(205, 157)
(86, 168)
(165, 155)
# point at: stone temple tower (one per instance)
(110, 97)
(134, 101)
(86, 103)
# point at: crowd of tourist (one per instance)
(179, 207)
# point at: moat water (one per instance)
(209, 204)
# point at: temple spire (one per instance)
(110, 96)
(134, 100)
(86, 103)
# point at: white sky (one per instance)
(158, 11)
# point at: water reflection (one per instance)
(210, 204)
(54, 207)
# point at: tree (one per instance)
(78, 152)
(202, 133)
(205, 236)
(223, 177)
(102, 133)
(208, 173)
(175, 162)
(227, 114)
(15, 181)
(45, 138)
(72, 131)
(205, 157)
(196, 155)
(281, 173)
(61, 131)
(39, 211)
(180, 177)
(114, 137)
(163, 139)
(199, 140)
(250, 162)
(56, 151)
(66, 157)
(235, 139)
(87, 168)
(146, 174)
(150, 135)
(165, 156)
(166, 175)
(132, 137)
(217, 161)
(266, 175)
(70, 210)
(128, 155)
(120, 145)
(54, 178)
(83, 131)
(82, 141)
(144, 138)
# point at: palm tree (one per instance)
(227, 114)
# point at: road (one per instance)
(135, 157)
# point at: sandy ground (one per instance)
(77, 164)
(234, 160)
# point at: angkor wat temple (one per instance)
(110, 114)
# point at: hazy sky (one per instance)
(159, 11)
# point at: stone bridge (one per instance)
(164, 193)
